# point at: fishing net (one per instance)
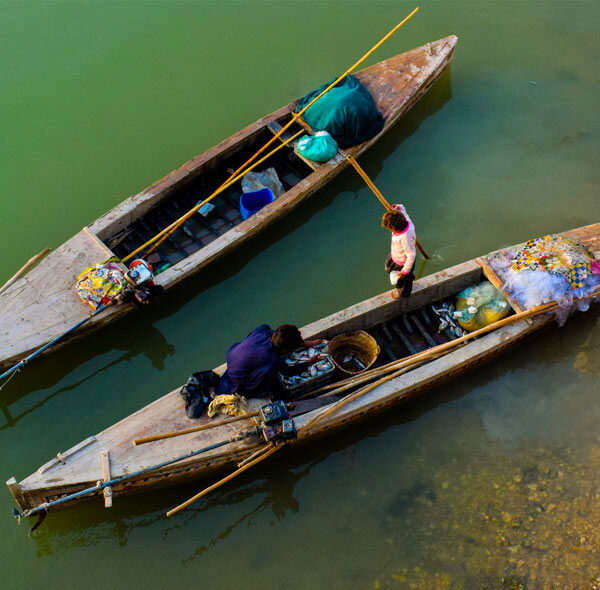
(100, 284)
(558, 256)
(551, 268)
(479, 306)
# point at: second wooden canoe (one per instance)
(42, 305)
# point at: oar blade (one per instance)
(40, 519)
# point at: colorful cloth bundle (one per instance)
(100, 284)
(559, 256)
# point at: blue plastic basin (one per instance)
(252, 202)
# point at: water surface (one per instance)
(488, 482)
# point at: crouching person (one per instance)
(401, 259)
(253, 364)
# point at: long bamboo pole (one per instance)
(436, 350)
(378, 194)
(254, 455)
(31, 262)
(363, 377)
(295, 117)
(225, 480)
(349, 398)
(354, 381)
(147, 439)
(167, 231)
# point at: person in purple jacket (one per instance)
(253, 364)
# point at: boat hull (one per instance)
(42, 305)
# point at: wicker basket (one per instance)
(363, 345)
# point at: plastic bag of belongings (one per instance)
(479, 306)
(320, 147)
(254, 181)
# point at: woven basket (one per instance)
(360, 343)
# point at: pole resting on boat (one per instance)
(245, 167)
(100, 486)
(39, 351)
(277, 428)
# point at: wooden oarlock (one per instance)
(108, 494)
(295, 116)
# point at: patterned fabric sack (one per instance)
(100, 284)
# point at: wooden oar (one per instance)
(378, 194)
(295, 116)
(147, 439)
(24, 269)
(209, 489)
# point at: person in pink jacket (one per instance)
(401, 260)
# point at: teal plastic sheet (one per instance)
(347, 112)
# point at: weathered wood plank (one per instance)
(493, 278)
(62, 457)
(105, 461)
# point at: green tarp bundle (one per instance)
(347, 112)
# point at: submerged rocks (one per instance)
(501, 524)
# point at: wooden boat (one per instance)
(400, 328)
(42, 305)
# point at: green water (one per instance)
(489, 482)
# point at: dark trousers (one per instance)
(404, 282)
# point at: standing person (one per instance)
(401, 259)
(253, 364)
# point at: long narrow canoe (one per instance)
(400, 327)
(42, 305)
